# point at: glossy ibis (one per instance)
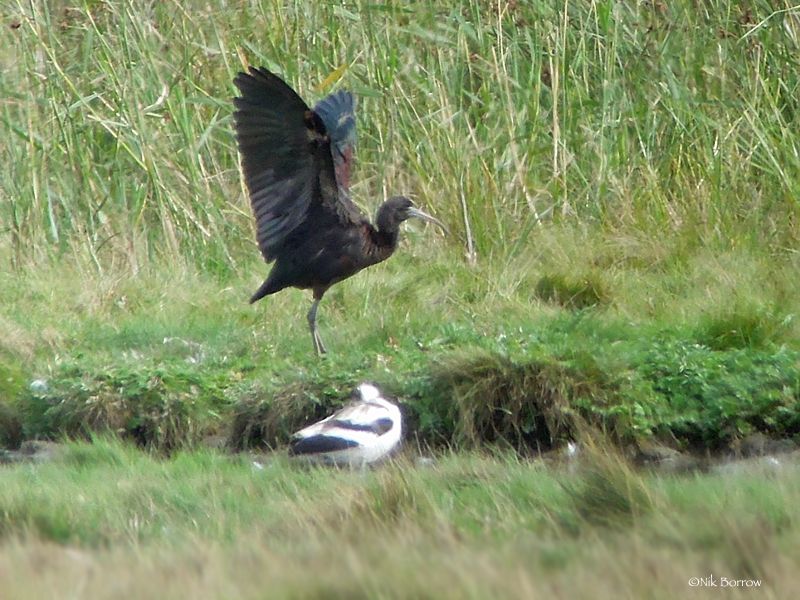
(296, 163)
(361, 433)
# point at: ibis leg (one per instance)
(319, 347)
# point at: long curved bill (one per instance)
(415, 212)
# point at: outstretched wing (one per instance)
(286, 159)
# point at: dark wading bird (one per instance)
(296, 164)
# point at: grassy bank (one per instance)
(107, 519)
(472, 367)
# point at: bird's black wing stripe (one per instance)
(317, 444)
(379, 426)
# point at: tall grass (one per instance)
(667, 117)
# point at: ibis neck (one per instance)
(389, 236)
(384, 242)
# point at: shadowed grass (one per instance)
(571, 292)
(743, 327)
(527, 405)
(10, 427)
(263, 418)
(608, 493)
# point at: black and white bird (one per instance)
(361, 433)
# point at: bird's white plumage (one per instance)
(361, 433)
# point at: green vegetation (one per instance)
(620, 181)
(108, 519)
(157, 376)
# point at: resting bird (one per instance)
(361, 433)
(296, 163)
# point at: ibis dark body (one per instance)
(296, 163)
